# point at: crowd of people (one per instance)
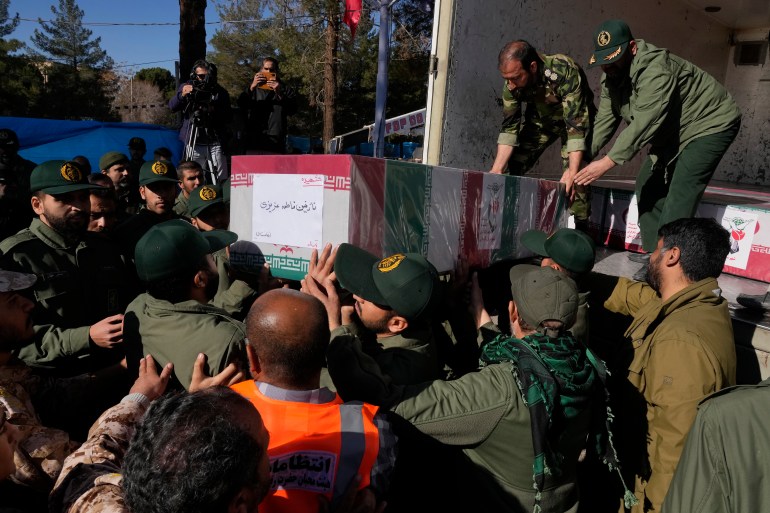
(140, 372)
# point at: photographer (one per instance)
(205, 107)
(267, 102)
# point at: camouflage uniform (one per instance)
(560, 105)
(90, 480)
(41, 450)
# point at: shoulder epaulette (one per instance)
(14, 240)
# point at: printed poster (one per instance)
(741, 224)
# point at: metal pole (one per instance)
(382, 79)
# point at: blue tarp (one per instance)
(51, 139)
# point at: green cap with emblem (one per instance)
(610, 42)
(571, 249)
(203, 197)
(405, 282)
(157, 171)
(59, 177)
(544, 294)
(111, 158)
(175, 247)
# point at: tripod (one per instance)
(190, 152)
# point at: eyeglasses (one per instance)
(201, 76)
(268, 69)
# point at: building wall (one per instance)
(473, 114)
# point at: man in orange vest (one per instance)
(319, 445)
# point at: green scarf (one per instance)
(558, 380)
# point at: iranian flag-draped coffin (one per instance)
(283, 206)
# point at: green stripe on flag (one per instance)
(509, 240)
(407, 207)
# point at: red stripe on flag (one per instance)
(473, 182)
(547, 202)
(366, 221)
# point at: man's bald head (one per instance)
(288, 332)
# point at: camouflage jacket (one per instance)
(90, 480)
(41, 450)
(559, 104)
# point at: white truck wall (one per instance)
(748, 160)
(472, 114)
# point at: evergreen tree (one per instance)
(293, 31)
(78, 79)
(20, 81)
(67, 41)
(7, 26)
(410, 58)
(159, 77)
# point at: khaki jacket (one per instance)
(683, 351)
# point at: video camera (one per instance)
(201, 92)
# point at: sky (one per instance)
(132, 47)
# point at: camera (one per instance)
(201, 93)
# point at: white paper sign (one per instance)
(741, 225)
(288, 209)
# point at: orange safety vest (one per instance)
(314, 448)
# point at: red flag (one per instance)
(352, 15)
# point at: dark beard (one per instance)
(377, 327)
(653, 276)
(72, 228)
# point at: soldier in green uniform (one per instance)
(81, 289)
(190, 175)
(157, 186)
(545, 98)
(173, 321)
(237, 290)
(686, 116)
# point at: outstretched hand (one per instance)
(200, 378)
(322, 265)
(150, 383)
(594, 171)
(108, 332)
(568, 179)
(326, 292)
